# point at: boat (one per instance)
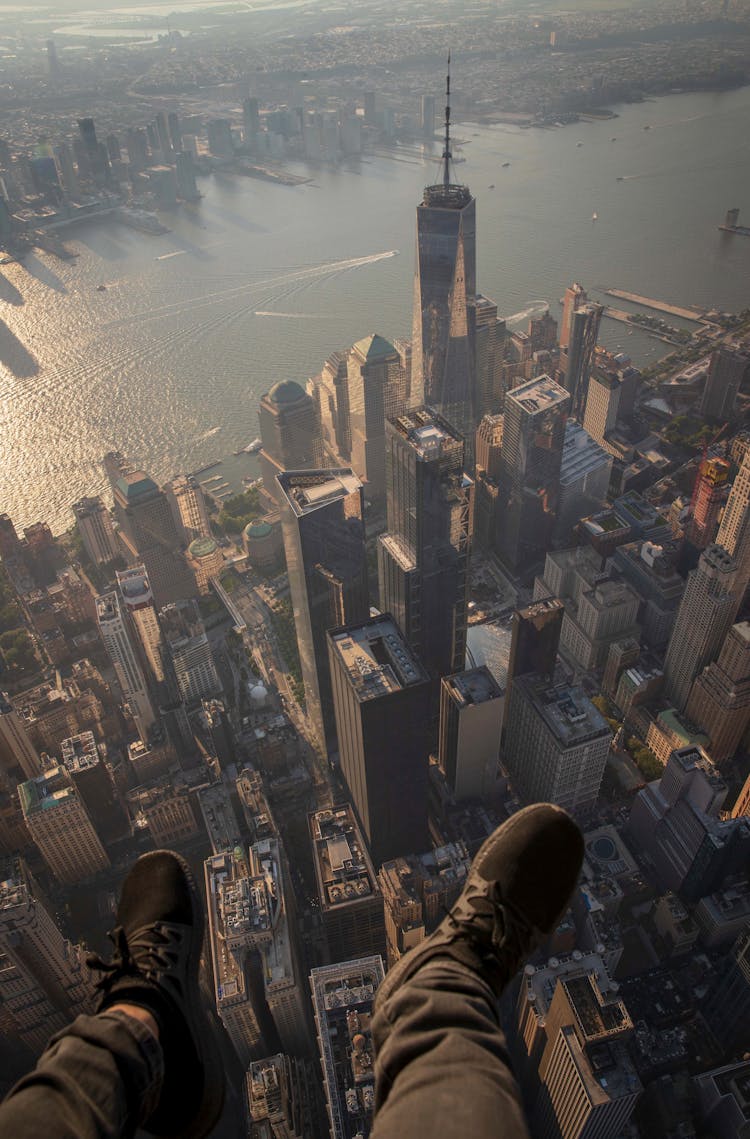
(613, 139)
(595, 216)
(506, 164)
(579, 144)
(647, 127)
(620, 178)
(491, 186)
(253, 447)
(101, 288)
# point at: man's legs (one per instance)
(100, 1078)
(441, 1066)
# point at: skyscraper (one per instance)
(93, 780)
(116, 637)
(556, 743)
(707, 611)
(290, 431)
(149, 532)
(571, 1039)
(734, 531)
(443, 363)
(583, 333)
(575, 296)
(43, 980)
(585, 472)
(471, 719)
(322, 517)
(423, 558)
(708, 500)
(192, 663)
(342, 997)
(535, 639)
(18, 756)
(97, 532)
(727, 1004)
(250, 119)
(381, 696)
(61, 827)
(138, 601)
(720, 697)
(377, 382)
(531, 457)
(728, 370)
(189, 505)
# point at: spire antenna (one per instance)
(447, 156)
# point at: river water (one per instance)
(260, 282)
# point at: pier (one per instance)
(694, 314)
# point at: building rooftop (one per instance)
(53, 789)
(599, 1013)
(306, 491)
(222, 871)
(376, 657)
(80, 752)
(285, 392)
(202, 547)
(135, 485)
(374, 347)
(540, 394)
(135, 586)
(219, 817)
(428, 433)
(342, 997)
(14, 885)
(108, 608)
(343, 870)
(581, 454)
(565, 709)
(473, 686)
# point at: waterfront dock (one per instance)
(691, 313)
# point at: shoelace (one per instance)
(512, 932)
(146, 956)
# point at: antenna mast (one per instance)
(447, 147)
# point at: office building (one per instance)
(443, 360)
(44, 982)
(280, 1099)
(290, 431)
(724, 1099)
(162, 133)
(584, 330)
(418, 890)
(708, 499)
(165, 807)
(556, 743)
(535, 639)
(250, 119)
(378, 390)
(423, 557)
(149, 534)
(488, 442)
(571, 1037)
(18, 756)
(575, 296)
(192, 664)
(351, 904)
(728, 370)
(734, 531)
(342, 997)
(322, 518)
(471, 719)
(427, 115)
(138, 603)
(96, 528)
(330, 390)
(676, 823)
(720, 697)
(602, 405)
(61, 827)
(237, 984)
(206, 561)
(94, 781)
(189, 507)
(531, 458)
(727, 1004)
(585, 472)
(381, 697)
(705, 616)
(117, 641)
(650, 571)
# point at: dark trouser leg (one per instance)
(441, 1065)
(97, 1079)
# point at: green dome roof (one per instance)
(258, 529)
(374, 347)
(201, 547)
(286, 391)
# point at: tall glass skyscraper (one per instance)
(322, 519)
(443, 360)
(423, 558)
